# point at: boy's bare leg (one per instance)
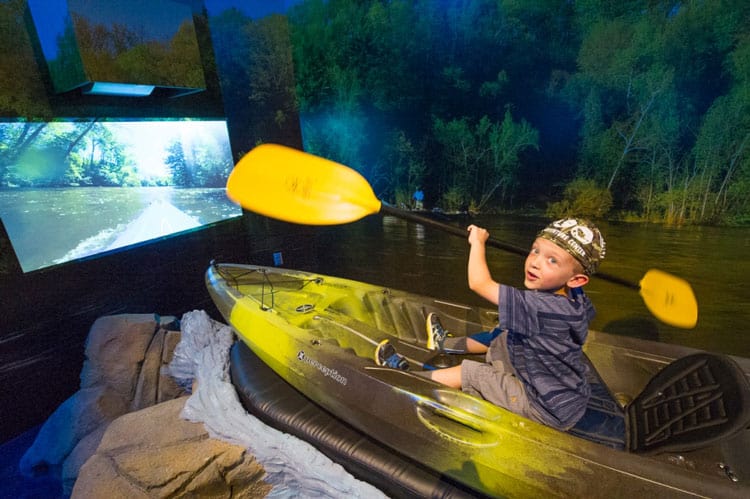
(473, 346)
(464, 344)
(450, 376)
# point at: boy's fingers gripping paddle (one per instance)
(294, 186)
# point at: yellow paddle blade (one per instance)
(669, 298)
(291, 185)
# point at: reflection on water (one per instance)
(399, 254)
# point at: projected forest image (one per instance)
(73, 189)
(631, 109)
(149, 42)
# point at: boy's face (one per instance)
(549, 268)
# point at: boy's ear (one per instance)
(578, 280)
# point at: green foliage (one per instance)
(659, 89)
(722, 151)
(120, 54)
(201, 164)
(481, 103)
(403, 169)
(22, 91)
(507, 141)
(459, 149)
(86, 153)
(648, 82)
(582, 197)
(182, 174)
(455, 199)
(403, 198)
(493, 89)
(340, 136)
(484, 158)
(254, 64)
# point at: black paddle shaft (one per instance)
(457, 231)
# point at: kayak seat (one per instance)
(396, 316)
(351, 307)
(604, 419)
(411, 320)
(388, 317)
(693, 402)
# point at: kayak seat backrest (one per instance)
(352, 307)
(693, 402)
(604, 419)
(393, 316)
(382, 316)
(413, 321)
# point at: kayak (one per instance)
(664, 420)
(268, 397)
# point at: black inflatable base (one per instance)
(272, 400)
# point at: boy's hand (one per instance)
(477, 234)
(480, 280)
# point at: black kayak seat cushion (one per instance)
(693, 402)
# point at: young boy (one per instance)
(534, 359)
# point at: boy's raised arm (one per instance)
(480, 279)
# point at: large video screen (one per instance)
(76, 188)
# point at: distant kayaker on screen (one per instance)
(534, 358)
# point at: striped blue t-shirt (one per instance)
(546, 333)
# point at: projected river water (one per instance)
(74, 188)
(52, 226)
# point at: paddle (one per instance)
(294, 186)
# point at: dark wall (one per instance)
(45, 315)
(48, 313)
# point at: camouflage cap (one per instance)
(579, 237)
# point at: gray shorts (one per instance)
(497, 384)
